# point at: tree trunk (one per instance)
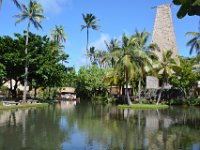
(87, 44)
(49, 92)
(54, 91)
(127, 91)
(160, 93)
(14, 90)
(35, 92)
(185, 93)
(26, 65)
(139, 90)
(10, 90)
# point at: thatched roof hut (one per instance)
(69, 90)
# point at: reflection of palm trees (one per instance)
(41, 128)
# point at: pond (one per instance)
(85, 126)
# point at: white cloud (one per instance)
(55, 6)
(100, 43)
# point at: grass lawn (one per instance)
(23, 106)
(144, 106)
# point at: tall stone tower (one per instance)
(163, 33)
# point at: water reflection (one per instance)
(69, 126)
(111, 128)
(66, 105)
(31, 129)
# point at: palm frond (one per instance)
(34, 12)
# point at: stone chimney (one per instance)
(163, 33)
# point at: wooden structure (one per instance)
(116, 90)
(68, 94)
(10, 103)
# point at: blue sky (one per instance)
(116, 18)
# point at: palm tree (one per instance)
(113, 45)
(145, 61)
(92, 55)
(34, 13)
(58, 35)
(90, 22)
(125, 61)
(166, 68)
(100, 55)
(194, 43)
(15, 2)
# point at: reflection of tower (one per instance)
(163, 33)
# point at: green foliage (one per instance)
(144, 106)
(3, 89)
(183, 77)
(33, 12)
(71, 77)
(90, 82)
(90, 21)
(193, 101)
(190, 7)
(194, 42)
(23, 106)
(2, 72)
(45, 57)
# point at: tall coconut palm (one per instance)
(58, 35)
(15, 2)
(124, 62)
(145, 61)
(90, 22)
(113, 45)
(100, 55)
(34, 14)
(166, 68)
(194, 43)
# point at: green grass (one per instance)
(24, 106)
(144, 106)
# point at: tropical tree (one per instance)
(90, 22)
(58, 35)
(90, 82)
(34, 13)
(184, 78)
(127, 61)
(166, 69)
(190, 7)
(194, 43)
(92, 55)
(2, 72)
(12, 60)
(113, 45)
(145, 62)
(100, 55)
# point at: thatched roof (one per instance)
(67, 90)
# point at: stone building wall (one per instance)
(163, 33)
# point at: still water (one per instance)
(87, 127)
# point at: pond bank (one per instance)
(144, 106)
(23, 106)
